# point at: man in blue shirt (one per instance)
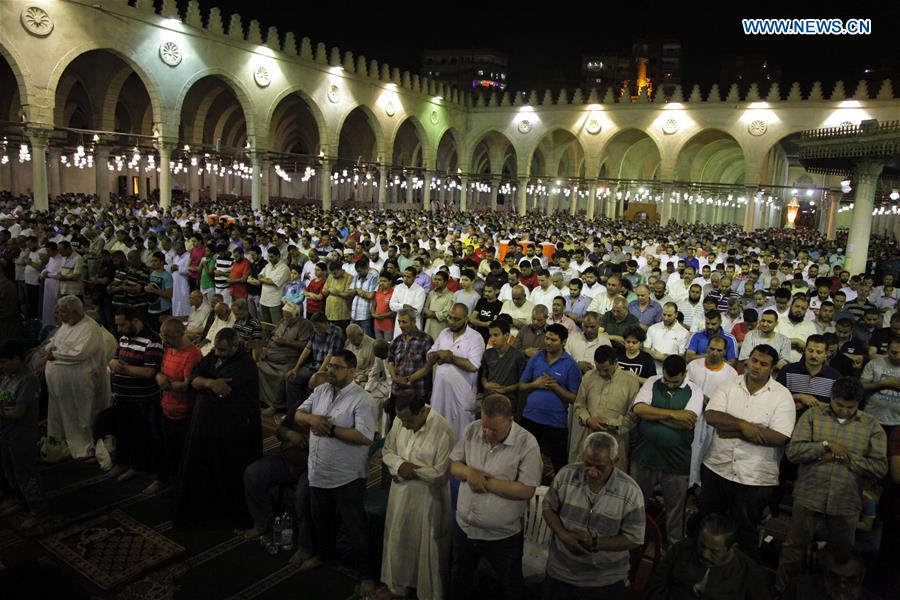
(700, 340)
(551, 380)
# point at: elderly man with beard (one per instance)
(224, 319)
(77, 379)
(225, 435)
(456, 357)
(279, 355)
(198, 316)
(797, 328)
(518, 308)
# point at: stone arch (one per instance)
(357, 115)
(15, 92)
(410, 145)
(493, 138)
(631, 154)
(211, 113)
(124, 54)
(232, 85)
(558, 143)
(708, 156)
(20, 73)
(447, 152)
(276, 123)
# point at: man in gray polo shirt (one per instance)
(339, 416)
(499, 466)
(596, 513)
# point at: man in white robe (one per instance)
(181, 306)
(417, 525)
(77, 378)
(457, 355)
(408, 294)
(50, 278)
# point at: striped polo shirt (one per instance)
(797, 379)
(142, 350)
(618, 508)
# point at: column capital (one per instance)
(867, 171)
(38, 134)
(166, 144)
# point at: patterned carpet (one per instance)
(112, 549)
(106, 539)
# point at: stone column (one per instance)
(213, 186)
(326, 185)
(54, 185)
(463, 192)
(382, 186)
(165, 147)
(194, 180)
(521, 196)
(495, 189)
(749, 214)
(39, 137)
(101, 173)
(265, 183)
(833, 200)
(426, 191)
(592, 199)
(865, 177)
(256, 176)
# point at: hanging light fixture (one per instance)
(793, 208)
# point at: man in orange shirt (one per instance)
(240, 271)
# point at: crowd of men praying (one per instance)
(618, 377)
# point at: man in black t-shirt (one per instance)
(486, 310)
(878, 343)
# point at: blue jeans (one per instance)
(272, 471)
(504, 556)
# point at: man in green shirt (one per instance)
(668, 406)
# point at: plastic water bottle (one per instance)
(277, 532)
(287, 531)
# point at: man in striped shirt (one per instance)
(136, 394)
(596, 513)
(810, 380)
(222, 274)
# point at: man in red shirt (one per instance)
(240, 271)
(179, 359)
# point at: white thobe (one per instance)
(51, 289)
(417, 525)
(414, 296)
(77, 384)
(708, 381)
(217, 326)
(453, 388)
(181, 292)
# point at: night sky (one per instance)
(545, 47)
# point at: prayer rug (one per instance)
(112, 549)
